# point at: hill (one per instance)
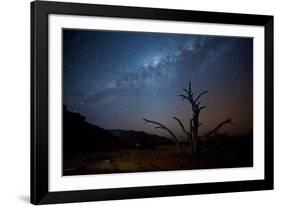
(140, 139)
(81, 136)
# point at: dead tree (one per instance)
(194, 122)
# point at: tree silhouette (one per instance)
(194, 122)
(161, 126)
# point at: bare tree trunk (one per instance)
(195, 137)
(195, 148)
(194, 122)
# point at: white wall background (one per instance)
(14, 102)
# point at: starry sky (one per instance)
(117, 78)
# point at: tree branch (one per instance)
(200, 108)
(200, 95)
(219, 126)
(186, 91)
(183, 97)
(181, 125)
(189, 87)
(161, 126)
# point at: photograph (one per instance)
(137, 101)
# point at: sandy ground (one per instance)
(163, 158)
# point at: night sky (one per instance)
(115, 79)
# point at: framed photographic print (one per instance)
(133, 102)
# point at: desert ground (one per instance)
(224, 153)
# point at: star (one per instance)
(118, 78)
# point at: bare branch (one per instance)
(161, 126)
(200, 95)
(186, 91)
(189, 92)
(183, 128)
(219, 126)
(200, 108)
(184, 97)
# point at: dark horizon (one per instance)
(115, 79)
(182, 138)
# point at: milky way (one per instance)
(115, 79)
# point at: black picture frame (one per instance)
(39, 102)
